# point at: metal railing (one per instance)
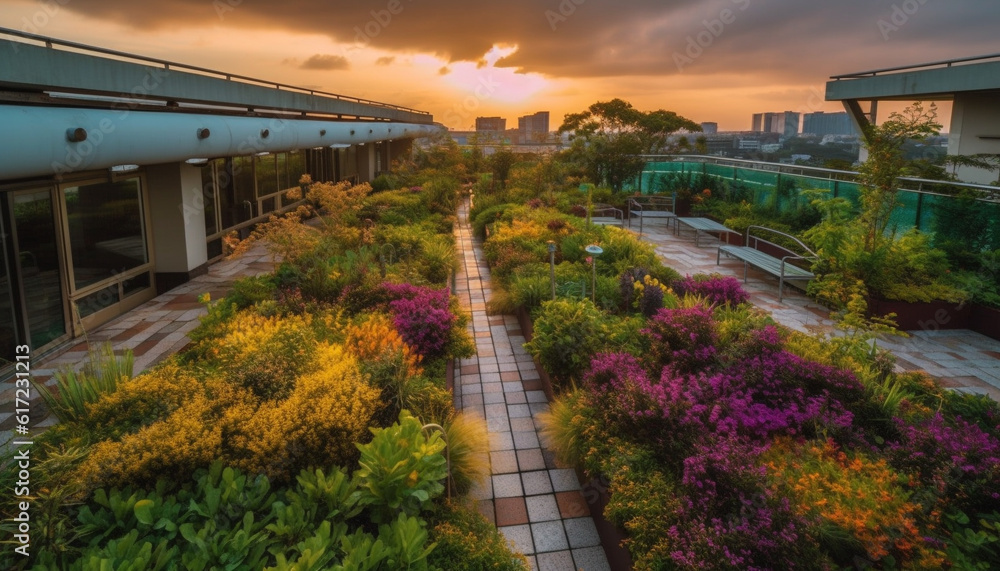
(166, 64)
(943, 63)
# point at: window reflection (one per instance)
(106, 232)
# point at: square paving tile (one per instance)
(482, 490)
(512, 511)
(536, 482)
(521, 424)
(530, 459)
(493, 398)
(492, 387)
(503, 462)
(518, 411)
(507, 486)
(542, 508)
(516, 398)
(564, 480)
(549, 536)
(581, 532)
(555, 561)
(591, 559)
(537, 396)
(526, 440)
(519, 537)
(572, 504)
(501, 441)
(512, 387)
(497, 423)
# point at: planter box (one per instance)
(985, 320)
(923, 316)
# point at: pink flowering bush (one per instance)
(716, 289)
(683, 338)
(422, 317)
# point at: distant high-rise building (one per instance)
(785, 124)
(710, 128)
(495, 124)
(534, 128)
(822, 124)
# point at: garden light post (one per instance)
(552, 266)
(594, 250)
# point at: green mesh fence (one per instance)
(950, 218)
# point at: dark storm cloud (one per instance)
(325, 62)
(607, 38)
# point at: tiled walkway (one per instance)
(154, 330)
(960, 359)
(537, 504)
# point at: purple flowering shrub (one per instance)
(718, 290)
(682, 338)
(957, 459)
(422, 317)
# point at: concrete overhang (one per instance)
(925, 83)
(25, 67)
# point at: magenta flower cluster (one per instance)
(422, 316)
(718, 290)
(956, 458)
(682, 338)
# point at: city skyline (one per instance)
(710, 61)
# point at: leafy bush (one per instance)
(401, 470)
(423, 317)
(466, 540)
(566, 334)
(102, 374)
(682, 338)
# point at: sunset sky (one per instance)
(709, 60)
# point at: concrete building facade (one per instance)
(120, 175)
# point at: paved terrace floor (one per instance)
(960, 359)
(153, 331)
(536, 503)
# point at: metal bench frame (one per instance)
(658, 207)
(778, 267)
(699, 225)
(607, 215)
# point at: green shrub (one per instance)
(101, 375)
(468, 541)
(401, 469)
(567, 334)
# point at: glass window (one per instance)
(267, 175)
(34, 225)
(296, 167)
(106, 231)
(208, 197)
(100, 299)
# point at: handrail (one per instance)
(947, 63)
(992, 193)
(51, 42)
(794, 256)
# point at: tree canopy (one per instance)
(610, 136)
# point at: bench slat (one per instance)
(766, 262)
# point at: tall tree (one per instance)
(609, 138)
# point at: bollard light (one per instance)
(594, 250)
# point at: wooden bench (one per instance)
(652, 207)
(781, 268)
(607, 215)
(700, 225)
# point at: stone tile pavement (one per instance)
(153, 331)
(960, 359)
(536, 503)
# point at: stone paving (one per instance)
(960, 359)
(536, 503)
(153, 331)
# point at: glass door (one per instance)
(36, 247)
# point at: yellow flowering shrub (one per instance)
(853, 494)
(188, 438)
(265, 354)
(144, 399)
(317, 425)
